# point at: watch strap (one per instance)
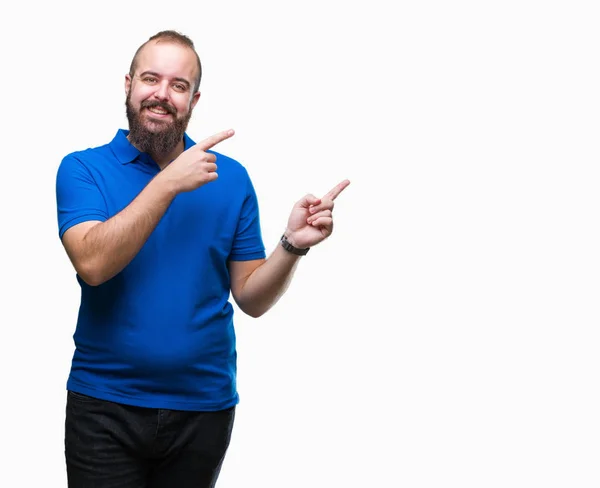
(294, 250)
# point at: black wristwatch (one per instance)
(294, 250)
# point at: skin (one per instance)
(100, 250)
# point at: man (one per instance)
(159, 239)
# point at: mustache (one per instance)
(155, 103)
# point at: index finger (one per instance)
(215, 139)
(336, 190)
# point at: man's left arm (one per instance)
(257, 285)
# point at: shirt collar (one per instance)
(125, 152)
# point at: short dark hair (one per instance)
(170, 36)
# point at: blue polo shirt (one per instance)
(160, 333)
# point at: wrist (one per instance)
(288, 243)
(167, 185)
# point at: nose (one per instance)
(162, 91)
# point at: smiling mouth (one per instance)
(161, 112)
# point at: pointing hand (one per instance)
(311, 219)
(195, 167)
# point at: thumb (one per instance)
(308, 201)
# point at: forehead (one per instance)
(168, 59)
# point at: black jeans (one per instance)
(109, 445)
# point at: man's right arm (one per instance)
(100, 250)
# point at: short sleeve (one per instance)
(248, 243)
(78, 198)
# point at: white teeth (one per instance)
(157, 110)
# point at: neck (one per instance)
(162, 159)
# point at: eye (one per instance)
(180, 87)
(149, 79)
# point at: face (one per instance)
(160, 97)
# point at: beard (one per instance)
(155, 137)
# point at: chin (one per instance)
(156, 125)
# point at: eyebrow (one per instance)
(153, 73)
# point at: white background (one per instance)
(447, 333)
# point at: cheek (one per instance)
(139, 95)
(182, 105)
(136, 99)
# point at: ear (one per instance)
(127, 84)
(195, 99)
